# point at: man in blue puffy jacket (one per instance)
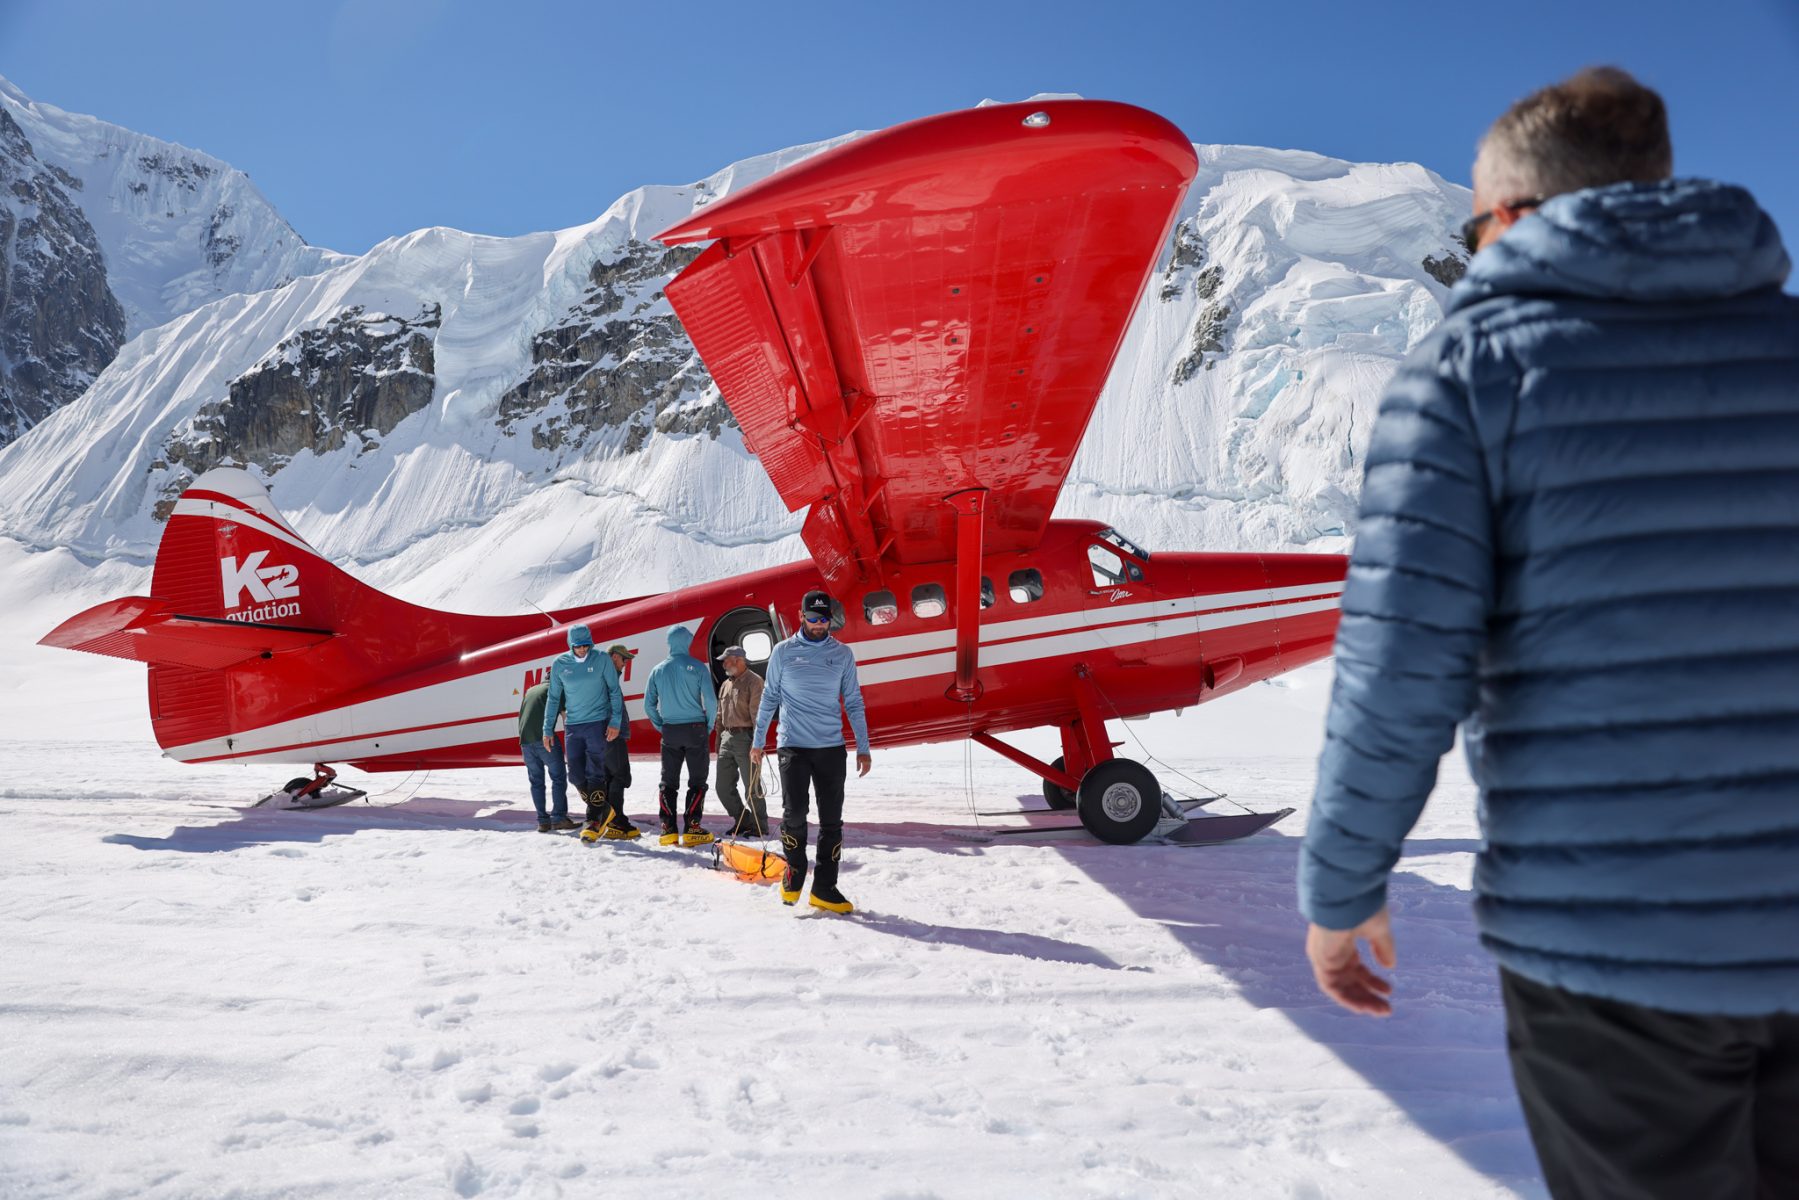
(1579, 535)
(681, 704)
(585, 684)
(812, 684)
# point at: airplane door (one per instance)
(1123, 609)
(752, 628)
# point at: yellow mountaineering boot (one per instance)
(829, 899)
(790, 886)
(618, 828)
(697, 837)
(599, 811)
(669, 837)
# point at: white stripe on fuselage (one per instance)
(887, 660)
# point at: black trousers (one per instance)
(684, 744)
(1626, 1101)
(616, 772)
(822, 769)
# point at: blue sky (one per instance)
(365, 120)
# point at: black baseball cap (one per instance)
(816, 604)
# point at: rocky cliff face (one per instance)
(616, 359)
(60, 324)
(1190, 274)
(107, 233)
(347, 382)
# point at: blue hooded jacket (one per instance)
(1580, 533)
(586, 687)
(680, 689)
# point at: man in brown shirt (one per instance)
(738, 701)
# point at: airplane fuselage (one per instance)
(1150, 633)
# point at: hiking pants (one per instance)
(685, 743)
(734, 763)
(586, 754)
(822, 769)
(1627, 1101)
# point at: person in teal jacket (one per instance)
(681, 704)
(585, 685)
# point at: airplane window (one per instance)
(837, 616)
(1135, 554)
(1108, 568)
(757, 645)
(987, 597)
(1125, 544)
(1025, 586)
(880, 608)
(928, 601)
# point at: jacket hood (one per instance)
(678, 641)
(1677, 239)
(579, 636)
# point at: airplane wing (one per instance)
(931, 309)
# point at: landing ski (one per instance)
(1187, 804)
(1196, 831)
(1212, 831)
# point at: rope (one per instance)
(406, 799)
(968, 765)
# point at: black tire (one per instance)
(294, 785)
(1120, 801)
(1054, 794)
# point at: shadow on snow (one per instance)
(1440, 1058)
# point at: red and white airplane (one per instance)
(912, 331)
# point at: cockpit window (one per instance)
(1125, 544)
(1108, 568)
(1111, 568)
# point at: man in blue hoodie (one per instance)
(1579, 539)
(811, 684)
(585, 684)
(681, 704)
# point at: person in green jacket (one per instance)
(537, 758)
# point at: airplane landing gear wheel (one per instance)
(1054, 794)
(1120, 801)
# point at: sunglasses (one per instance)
(812, 620)
(1473, 225)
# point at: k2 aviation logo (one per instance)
(265, 586)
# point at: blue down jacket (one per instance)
(1580, 533)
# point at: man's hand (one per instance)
(863, 764)
(611, 733)
(1340, 971)
(756, 756)
(549, 742)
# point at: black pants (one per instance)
(615, 777)
(822, 769)
(684, 744)
(1626, 1101)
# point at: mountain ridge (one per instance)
(568, 427)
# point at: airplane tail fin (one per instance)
(247, 625)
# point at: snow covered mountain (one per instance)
(60, 323)
(109, 232)
(483, 423)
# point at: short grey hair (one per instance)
(1600, 126)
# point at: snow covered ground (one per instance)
(421, 996)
